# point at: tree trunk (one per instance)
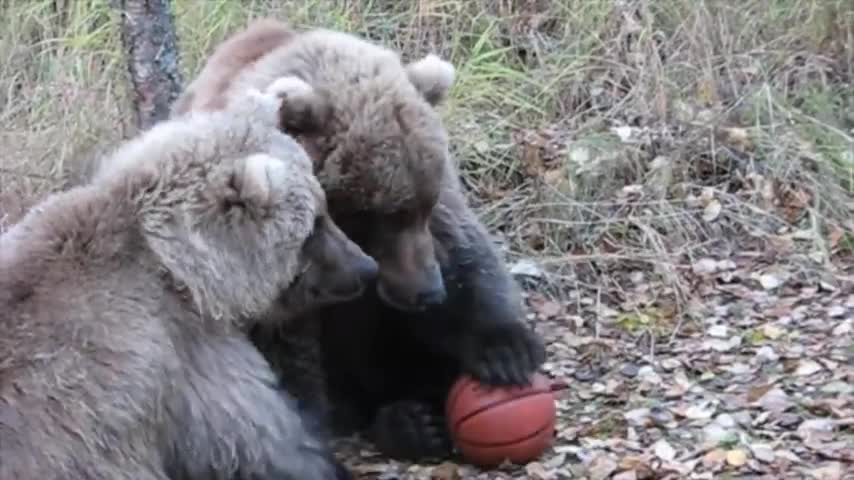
(151, 45)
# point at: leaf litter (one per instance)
(760, 385)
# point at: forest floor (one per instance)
(755, 382)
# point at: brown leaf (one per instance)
(601, 467)
(626, 475)
(446, 471)
(550, 309)
(738, 137)
(736, 457)
(714, 458)
(755, 393)
(538, 471)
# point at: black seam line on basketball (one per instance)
(510, 442)
(495, 404)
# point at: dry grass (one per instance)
(594, 135)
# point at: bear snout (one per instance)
(413, 290)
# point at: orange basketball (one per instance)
(490, 425)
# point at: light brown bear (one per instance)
(125, 303)
(444, 303)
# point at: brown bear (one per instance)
(125, 304)
(444, 304)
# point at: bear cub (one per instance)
(125, 306)
(444, 304)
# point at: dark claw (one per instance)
(507, 356)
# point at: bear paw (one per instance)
(507, 355)
(411, 430)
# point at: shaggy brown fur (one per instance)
(368, 122)
(230, 59)
(381, 153)
(124, 306)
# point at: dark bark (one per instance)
(151, 45)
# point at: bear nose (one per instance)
(431, 298)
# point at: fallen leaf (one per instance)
(601, 467)
(775, 400)
(624, 132)
(714, 458)
(549, 309)
(767, 354)
(445, 471)
(703, 411)
(626, 475)
(736, 457)
(807, 367)
(705, 266)
(720, 345)
(844, 328)
(762, 452)
(738, 137)
(770, 281)
(816, 430)
(638, 417)
(526, 268)
(712, 210)
(714, 434)
(772, 331)
(664, 450)
(718, 331)
(647, 374)
(538, 471)
(840, 387)
(831, 471)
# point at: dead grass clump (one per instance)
(595, 136)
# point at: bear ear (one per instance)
(303, 109)
(432, 76)
(253, 179)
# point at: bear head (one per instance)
(378, 144)
(231, 208)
